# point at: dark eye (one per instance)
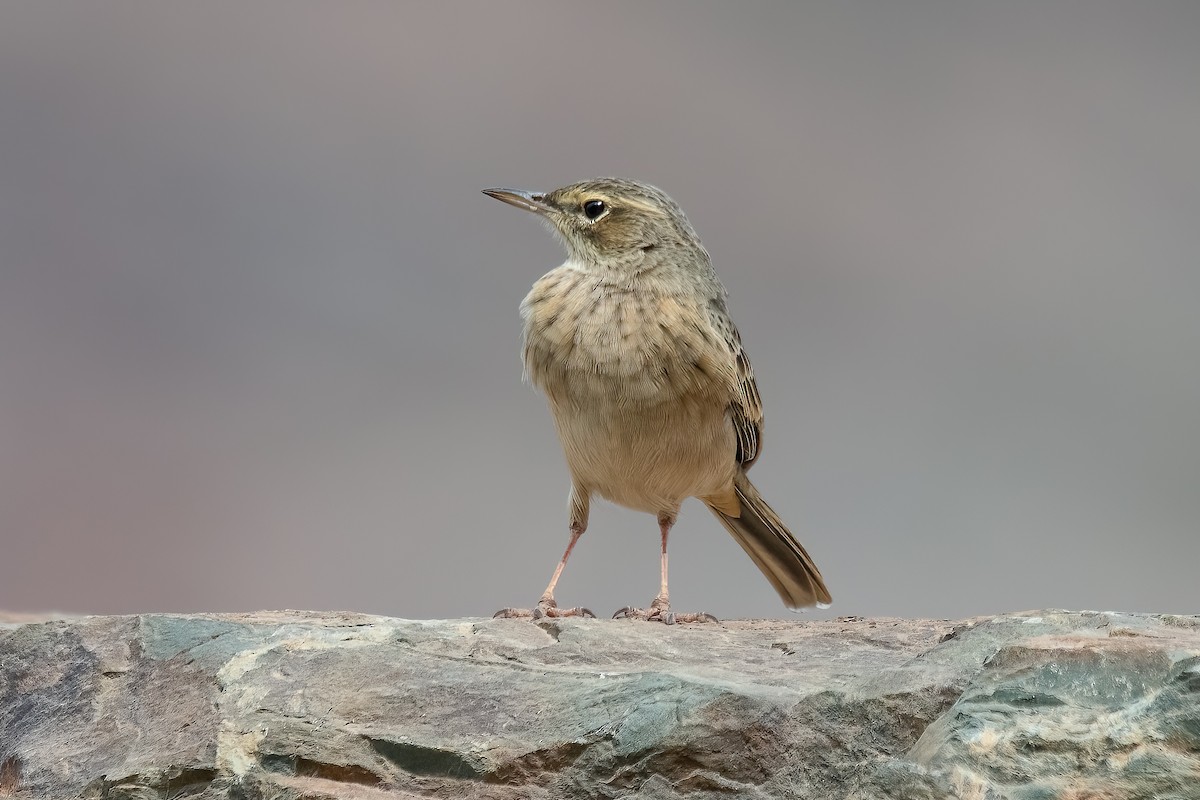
(593, 208)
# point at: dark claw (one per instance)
(543, 611)
(665, 615)
(510, 613)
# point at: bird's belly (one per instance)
(639, 386)
(649, 458)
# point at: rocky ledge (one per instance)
(303, 705)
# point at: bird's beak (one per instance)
(530, 201)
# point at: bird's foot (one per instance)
(660, 611)
(546, 607)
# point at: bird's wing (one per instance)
(745, 407)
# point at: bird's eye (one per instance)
(593, 208)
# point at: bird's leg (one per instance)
(546, 606)
(660, 608)
(663, 601)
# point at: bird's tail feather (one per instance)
(771, 546)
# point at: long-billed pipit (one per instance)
(651, 392)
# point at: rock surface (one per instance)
(299, 705)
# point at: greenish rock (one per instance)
(288, 705)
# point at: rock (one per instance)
(297, 705)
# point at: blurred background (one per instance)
(259, 334)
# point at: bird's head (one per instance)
(613, 224)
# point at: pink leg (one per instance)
(548, 595)
(546, 606)
(664, 598)
(660, 609)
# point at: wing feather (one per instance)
(745, 407)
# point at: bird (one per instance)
(652, 394)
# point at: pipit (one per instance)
(651, 391)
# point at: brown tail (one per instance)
(772, 547)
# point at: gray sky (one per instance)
(259, 333)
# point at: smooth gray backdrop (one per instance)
(259, 334)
